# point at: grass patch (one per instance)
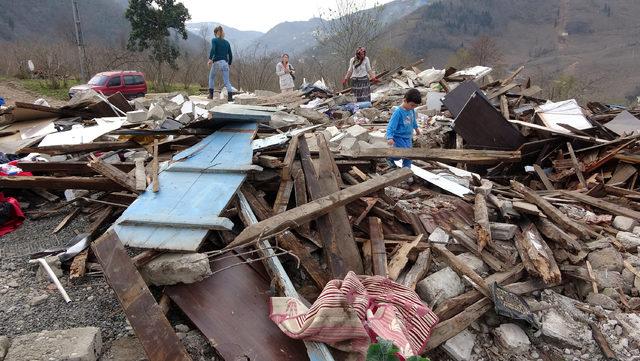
(192, 89)
(44, 88)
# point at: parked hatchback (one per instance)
(130, 83)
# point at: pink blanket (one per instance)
(349, 314)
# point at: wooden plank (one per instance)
(289, 157)
(400, 258)
(371, 202)
(419, 269)
(283, 196)
(378, 252)
(501, 91)
(66, 220)
(543, 177)
(81, 148)
(141, 176)
(321, 206)
(607, 157)
(623, 172)
(491, 260)
(552, 212)
(604, 205)
(300, 191)
(79, 266)
(155, 167)
(467, 156)
(113, 173)
(190, 194)
(231, 309)
(453, 326)
(68, 168)
(461, 268)
(576, 166)
(527, 208)
(316, 351)
(602, 342)
(145, 316)
(482, 226)
(594, 284)
(556, 132)
(536, 255)
(342, 233)
(287, 239)
(91, 183)
(504, 106)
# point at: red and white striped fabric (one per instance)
(349, 314)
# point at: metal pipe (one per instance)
(53, 277)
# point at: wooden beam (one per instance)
(543, 177)
(482, 226)
(287, 239)
(91, 183)
(149, 323)
(536, 255)
(468, 156)
(552, 212)
(378, 252)
(155, 167)
(69, 168)
(283, 195)
(419, 269)
(599, 203)
(492, 261)
(81, 148)
(576, 166)
(462, 269)
(400, 258)
(290, 156)
(141, 176)
(453, 326)
(113, 173)
(318, 207)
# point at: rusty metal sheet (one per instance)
(152, 328)
(231, 309)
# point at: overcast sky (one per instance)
(256, 14)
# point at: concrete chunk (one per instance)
(136, 116)
(561, 329)
(349, 144)
(512, 338)
(460, 346)
(75, 344)
(156, 112)
(172, 268)
(606, 259)
(624, 223)
(440, 286)
(358, 132)
(333, 131)
(636, 230)
(439, 235)
(474, 262)
(629, 240)
(5, 343)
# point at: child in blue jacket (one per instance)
(402, 123)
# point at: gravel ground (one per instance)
(29, 303)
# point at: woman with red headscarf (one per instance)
(361, 76)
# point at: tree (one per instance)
(347, 26)
(151, 25)
(484, 51)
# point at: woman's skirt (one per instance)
(361, 89)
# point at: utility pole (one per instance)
(79, 39)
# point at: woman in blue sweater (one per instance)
(220, 58)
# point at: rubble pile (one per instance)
(517, 225)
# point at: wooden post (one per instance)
(378, 252)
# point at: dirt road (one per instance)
(12, 92)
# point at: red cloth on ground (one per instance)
(17, 217)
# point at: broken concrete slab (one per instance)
(602, 300)
(358, 132)
(607, 259)
(512, 338)
(349, 144)
(474, 262)
(561, 329)
(5, 343)
(136, 116)
(460, 346)
(625, 224)
(156, 112)
(629, 240)
(440, 286)
(77, 344)
(333, 131)
(636, 230)
(439, 235)
(630, 322)
(173, 268)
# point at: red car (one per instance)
(130, 83)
